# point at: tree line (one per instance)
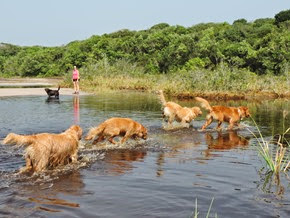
(260, 46)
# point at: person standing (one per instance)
(76, 78)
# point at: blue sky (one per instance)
(58, 22)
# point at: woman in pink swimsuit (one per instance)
(76, 78)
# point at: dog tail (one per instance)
(13, 138)
(204, 103)
(162, 98)
(95, 131)
(58, 88)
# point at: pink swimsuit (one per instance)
(75, 74)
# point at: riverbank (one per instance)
(218, 85)
(28, 82)
(32, 86)
(181, 87)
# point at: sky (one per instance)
(58, 22)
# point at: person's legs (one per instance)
(75, 86)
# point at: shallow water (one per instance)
(160, 177)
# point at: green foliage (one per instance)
(282, 16)
(159, 26)
(194, 64)
(240, 21)
(260, 46)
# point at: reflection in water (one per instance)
(166, 184)
(224, 141)
(178, 143)
(52, 201)
(76, 105)
(52, 100)
(159, 162)
(121, 161)
(271, 183)
(46, 193)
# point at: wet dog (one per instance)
(232, 115)
(117, 127)
(51, 92)
(173, 111)
(46, 150)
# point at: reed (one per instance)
(196, 213)
(278, 162)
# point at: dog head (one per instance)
(77, 129)
(9, 139)
(47, 90)
(91, 134)
(244, 112)
(142, 132)
(196, 111)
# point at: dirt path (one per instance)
(8, 87)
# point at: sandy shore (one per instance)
(33, 91)
(26, 83)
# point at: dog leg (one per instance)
(126, 136)
(231, 125)
(111, 139)
(208, 122)
(184, 124)
(238, 125)
(24, 170)
(99, 139)
(28, 166)
(74, 157)
(42, 164)
(170, 121)
(219, 125)
(124, 139)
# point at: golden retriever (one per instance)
(46, 150)
(232, 115)
(117, 126)
(173, 111)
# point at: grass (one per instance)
(278, 162)
(223, 81)
(196, 213)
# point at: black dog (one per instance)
(51, 93)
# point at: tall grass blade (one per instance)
(208, 212)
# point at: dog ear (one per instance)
(247, 112)
(78, 130)
(244, 111)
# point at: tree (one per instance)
(240, 21)
(282, 16)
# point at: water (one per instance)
(160, 177)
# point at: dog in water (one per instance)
(46, 150)
(116, 126)
(173, 111)
(51, 92)
(232, 115)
